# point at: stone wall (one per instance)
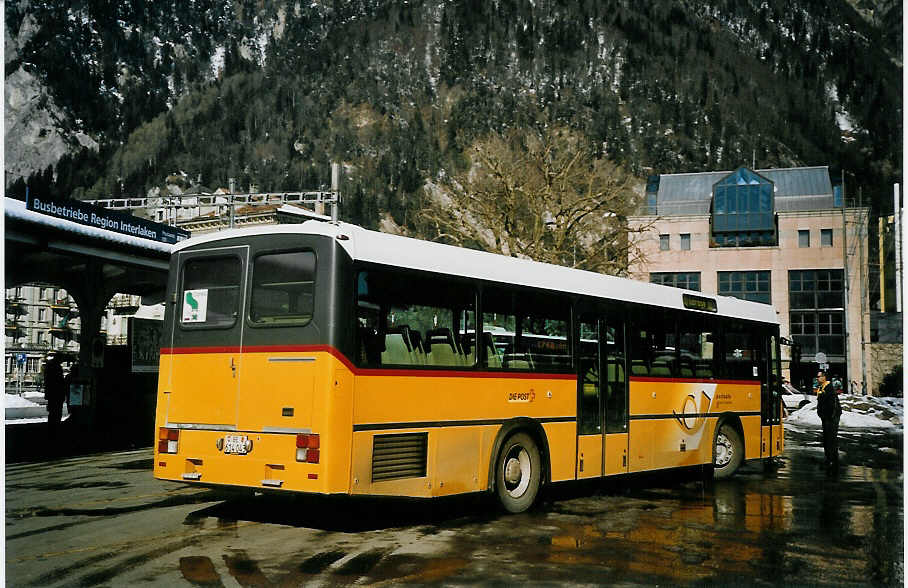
(882, 359)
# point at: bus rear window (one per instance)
(210, 294)
(283, 289)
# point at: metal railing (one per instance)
(190, 201)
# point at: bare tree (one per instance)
(543, 196)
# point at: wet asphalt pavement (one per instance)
(103, 520)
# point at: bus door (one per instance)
(280, 367)
(615, 388)
(602, 398)
(206, 338)
(771, 400)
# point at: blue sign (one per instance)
(103, 218)
(20, 358)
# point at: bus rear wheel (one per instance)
(728, 452)
(518, 473)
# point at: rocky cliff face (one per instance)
(36, 128)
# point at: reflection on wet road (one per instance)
(100, 520)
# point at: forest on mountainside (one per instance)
(270, 92)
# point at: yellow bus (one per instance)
(325, 358)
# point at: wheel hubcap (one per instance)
(724, 450)
(517, 471)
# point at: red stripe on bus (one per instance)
(692, 380)
(367, 371)
(461, 374)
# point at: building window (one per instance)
(743, 211)
(754, 286)
(817, 300)
(663, 243)
(39, 338)
(685, 241)
(42, 315)
(819, 331)
(688, 280)
(803, 238)
(825, 237)
(816, 289)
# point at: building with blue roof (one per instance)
(778, 236)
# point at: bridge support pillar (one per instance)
(91, 295)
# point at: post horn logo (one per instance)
(693, 414)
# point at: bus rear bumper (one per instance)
(269, 461)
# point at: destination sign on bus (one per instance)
(699, 303)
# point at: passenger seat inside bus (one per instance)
(518, 361)
(686, 367)
(492, 358)
(638, 368)
(662, 366)
(703, 369)
(397, 350)
(442, 350)
(413, 342)
(419, 348)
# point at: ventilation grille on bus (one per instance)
(399, 456)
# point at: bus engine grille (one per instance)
(399, 456)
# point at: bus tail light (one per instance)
(307, 447)
(168, 440)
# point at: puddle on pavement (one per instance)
(244, 570)
(783, 525)
(767, 526)
(199, 571)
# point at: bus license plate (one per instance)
(235, 444)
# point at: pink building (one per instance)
(778, 236)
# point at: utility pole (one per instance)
(845, 265)
(882, 226)
(230, 200)
(897, 214)
(861, 267)
(335, 187)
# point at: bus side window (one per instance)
(530, 331)
(653, 347)
(412, 320)
(740, 345)
(695, 337)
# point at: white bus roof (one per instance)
(394, 250)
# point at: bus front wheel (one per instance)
(518, 473)
(728, 452)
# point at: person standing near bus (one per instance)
(53, 393)
(829, 409)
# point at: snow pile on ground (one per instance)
(858, 412)
(14, 401)
(27, 409)
(17, 407)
